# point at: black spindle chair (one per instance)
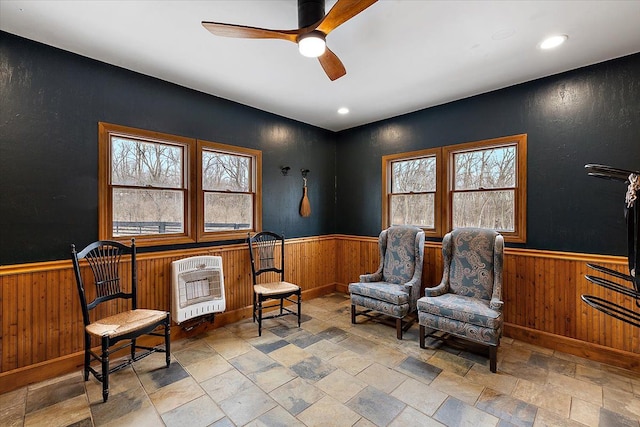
(266, 259)
(110, 276)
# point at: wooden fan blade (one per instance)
(332, 65)
(241, 31)
(341, 12)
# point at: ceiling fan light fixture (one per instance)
(312, 44)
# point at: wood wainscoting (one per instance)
(41, 322)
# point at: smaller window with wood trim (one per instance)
(229, 191)
(411, 195)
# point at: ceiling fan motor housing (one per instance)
(310, 12)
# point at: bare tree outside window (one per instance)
(472, 184)
(484, 188)
(147, 181)
(168, 189)
(413, 188)
(228, 195)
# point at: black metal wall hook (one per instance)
(304, 172)
(608, 172)
(285, 170)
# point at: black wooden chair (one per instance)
(265, 259)
(110, 279)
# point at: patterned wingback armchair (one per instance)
(468, 301)
(394, 288)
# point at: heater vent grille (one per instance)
(198, 287)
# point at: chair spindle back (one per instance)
(264, 257)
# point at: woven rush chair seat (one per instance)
(274, 288)
(125, 322)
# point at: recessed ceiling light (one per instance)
(343, 110)
(554, 41)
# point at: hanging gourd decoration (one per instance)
(305, 206)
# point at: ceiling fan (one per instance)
(314, 26)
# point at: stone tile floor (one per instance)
(329, 372)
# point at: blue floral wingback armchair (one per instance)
(394, 288)
(468, 301)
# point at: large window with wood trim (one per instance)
(487, 185)
(476, 184)
(151, 188)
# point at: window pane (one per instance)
(225, 172)
(147, 211)
(145, 163)
(417, 175)
(486, 209)
(492, 168)
(228, 212)
(412, 209)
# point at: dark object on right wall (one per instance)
(632, 214)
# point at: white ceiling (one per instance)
(400, 55)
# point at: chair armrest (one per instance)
(496, 304)
(441, 289)
(414, 292)
(415, 287)
(373, 277)
(413, 283)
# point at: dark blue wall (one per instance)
(589, 115)
(50, 104)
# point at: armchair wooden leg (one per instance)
(399, 329)
(493, 356)
(353, 314)
(423, 331)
